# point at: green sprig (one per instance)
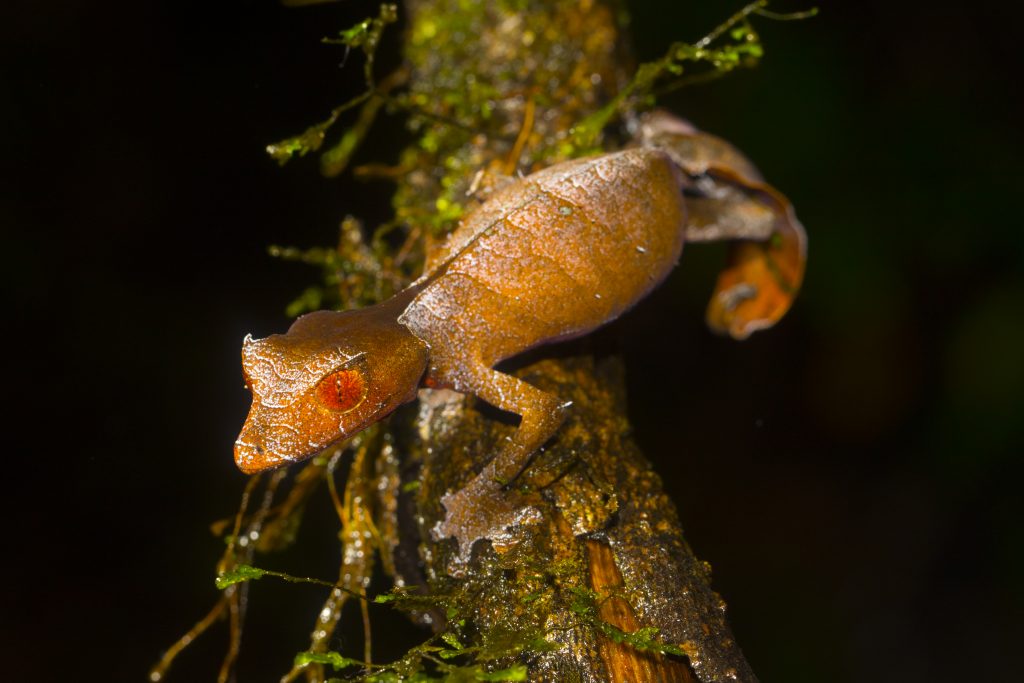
(744, 49)
(366, 36)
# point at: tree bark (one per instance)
(600, 527)
(599, 553)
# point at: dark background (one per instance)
(853, 475)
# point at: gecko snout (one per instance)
(253, 458)
(255, 451)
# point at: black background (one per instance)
(853, 475)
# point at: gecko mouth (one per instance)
(258, 450)
(254, 458)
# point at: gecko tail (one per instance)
(767, 253)
(762, 278)
(727, 198)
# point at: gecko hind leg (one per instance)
(483, 508)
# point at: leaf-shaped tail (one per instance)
(762, 278)
(727, 199)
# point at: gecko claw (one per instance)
(482, 510)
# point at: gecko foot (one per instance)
(482, 510)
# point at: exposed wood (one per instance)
(624, 662)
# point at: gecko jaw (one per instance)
(253, 458)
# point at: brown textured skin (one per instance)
(562, 251)
(730, 200)
(287, 423)
(572, 247)
(551, 256)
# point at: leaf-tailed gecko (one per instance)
(548, 257)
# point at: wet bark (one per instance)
(598, 554)
(601, 544)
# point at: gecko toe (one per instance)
(482, 510)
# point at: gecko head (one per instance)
(330, 376)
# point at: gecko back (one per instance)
(553, 256)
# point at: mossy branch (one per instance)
(603, 586)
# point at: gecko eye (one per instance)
(342, 390)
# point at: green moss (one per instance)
(354, 273)
(743, 49)
(644, 640)
(513, 673)
(244, 572)
(239, 574)
(332, 659)
(364, 36)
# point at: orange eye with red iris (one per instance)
(341, 391)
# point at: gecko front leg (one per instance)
(484, 508)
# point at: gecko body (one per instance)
(548, 257)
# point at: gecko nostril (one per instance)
(259, 450)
